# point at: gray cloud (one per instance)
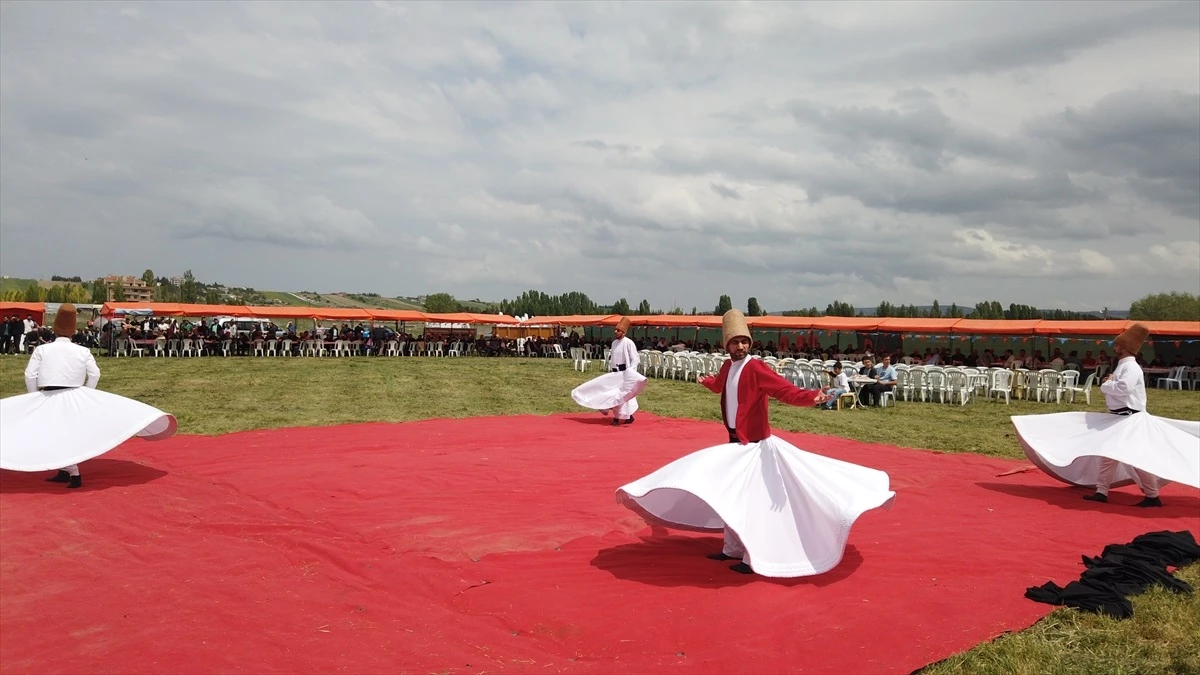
(798, 153)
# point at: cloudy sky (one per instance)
(1034, 153)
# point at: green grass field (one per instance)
(216, 395)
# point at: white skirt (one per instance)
(1070, 445)
(53, 429)
(612, 390)
(791, 509)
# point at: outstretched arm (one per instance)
(782, 390)
(711, 382)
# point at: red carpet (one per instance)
(496, 545)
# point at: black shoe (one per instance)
(1097, 498)
(741, 568)
(630, 420)
(616, 422)
(720, 555)
(60, 477)
(76, 481)
(1150, 501)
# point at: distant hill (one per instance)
(15, 284)
(346, 300)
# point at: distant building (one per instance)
(135, 289)
(176, 281)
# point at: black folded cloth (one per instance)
(1123, 570)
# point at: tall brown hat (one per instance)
(623, 324)
(733, 324)
(1133, 337)
(64, 321)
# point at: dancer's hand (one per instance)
(705, 380)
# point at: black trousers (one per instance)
(1123, 412)
(869, 394)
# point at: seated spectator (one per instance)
(839, 386)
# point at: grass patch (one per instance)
(1162, 637)
(214, 395)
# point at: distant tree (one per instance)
(935, 312)
(678, 311)
(148, 277)
(537, 303)
(643, 308)
(839, 308)
(166, 291)
(441, 303)
(118, 291)
(694, 310)
(189, 292)
(723, 305)
(621, 307)
(213, 297)
(886, 308)
(753, 308)
(1174, 306)
(78, 294)
(1022, 313)
(99, 292)
(955, 312)
(988, 310)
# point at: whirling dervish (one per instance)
(1123, 446)
(615, 392)
(64, 419)
(784, 512)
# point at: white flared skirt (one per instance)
(1070, 445)
(612, 390)
(53, 429)
(791, 509)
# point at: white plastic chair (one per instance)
(1086, 389)
(1001, 384)
(1174, 377)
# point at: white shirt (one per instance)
(61, 363)
(1127, 388)
(841, 381)
(731, 389)
(624, 352)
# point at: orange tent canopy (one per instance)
(37, 309)
(1112, 327)
(1173, 328)
(830, 323)
(300, 312)
(917, 325)
(995, 327)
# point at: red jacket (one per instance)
(757, 382)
